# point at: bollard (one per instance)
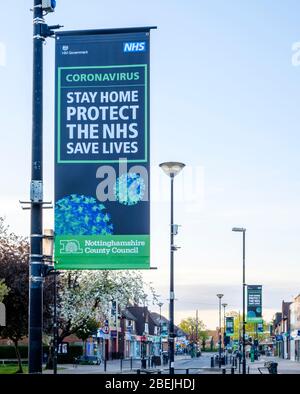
(187, 371)
(223, 371)
(212, 362)
(131, 363)
(239, 366)
(232, 371)
(121, 364)
(105, 365)
(138, 371)
(248, 369)
(149, 361)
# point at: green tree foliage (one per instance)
(4, 290)
(14, 271)
(189, 325)
(250, 328)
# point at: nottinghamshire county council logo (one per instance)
(70, 246)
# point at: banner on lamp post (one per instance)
(254, 309)
(260, 327)
(229, 326)
(102, 207)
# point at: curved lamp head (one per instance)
(239, 229)
(172, 168)
(224, 304)
(220, 295)
(160, 304)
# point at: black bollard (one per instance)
(232, 371)
(223, 371)
(212, 362)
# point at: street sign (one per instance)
(102, 208)
(254, 311)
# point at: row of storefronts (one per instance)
(134, 332)
(287, 330)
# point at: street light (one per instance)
(160, 304)
(172, 169)
(243, 230)
(220, 340)
(224, 334)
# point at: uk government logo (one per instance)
(134, 46)
(65, 50)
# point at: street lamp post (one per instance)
(160, 304)
(243, 230)
(172, 169)
(220, 335)
(224, 305)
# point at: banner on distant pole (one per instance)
(254, 310)
(260, 327)
(229, 326)
(102, 208)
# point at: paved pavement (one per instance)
(182, 363)
(199, 365)
(284, 366)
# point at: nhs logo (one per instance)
(134, 46)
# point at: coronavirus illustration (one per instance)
(81, 215)
(129, 189)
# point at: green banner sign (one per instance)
(254, 310)
(229, 326)
(102, 150)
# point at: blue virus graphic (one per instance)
(81, 215)
(129, 189)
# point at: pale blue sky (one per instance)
(224, 97)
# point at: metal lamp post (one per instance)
(220, 335)
(172, 169)
(160, 304)
(224, 305)
(243, 230)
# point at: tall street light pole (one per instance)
(160, 304)
(243, 230)
(220, 335)
(36, 259)
(172, 169)
(224, 305)
(36, 198)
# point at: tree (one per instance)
(14, 271)
(250, 328)
(189, 325)
(204, 337)
(90, 328)
(84, 296)
(4, 290)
